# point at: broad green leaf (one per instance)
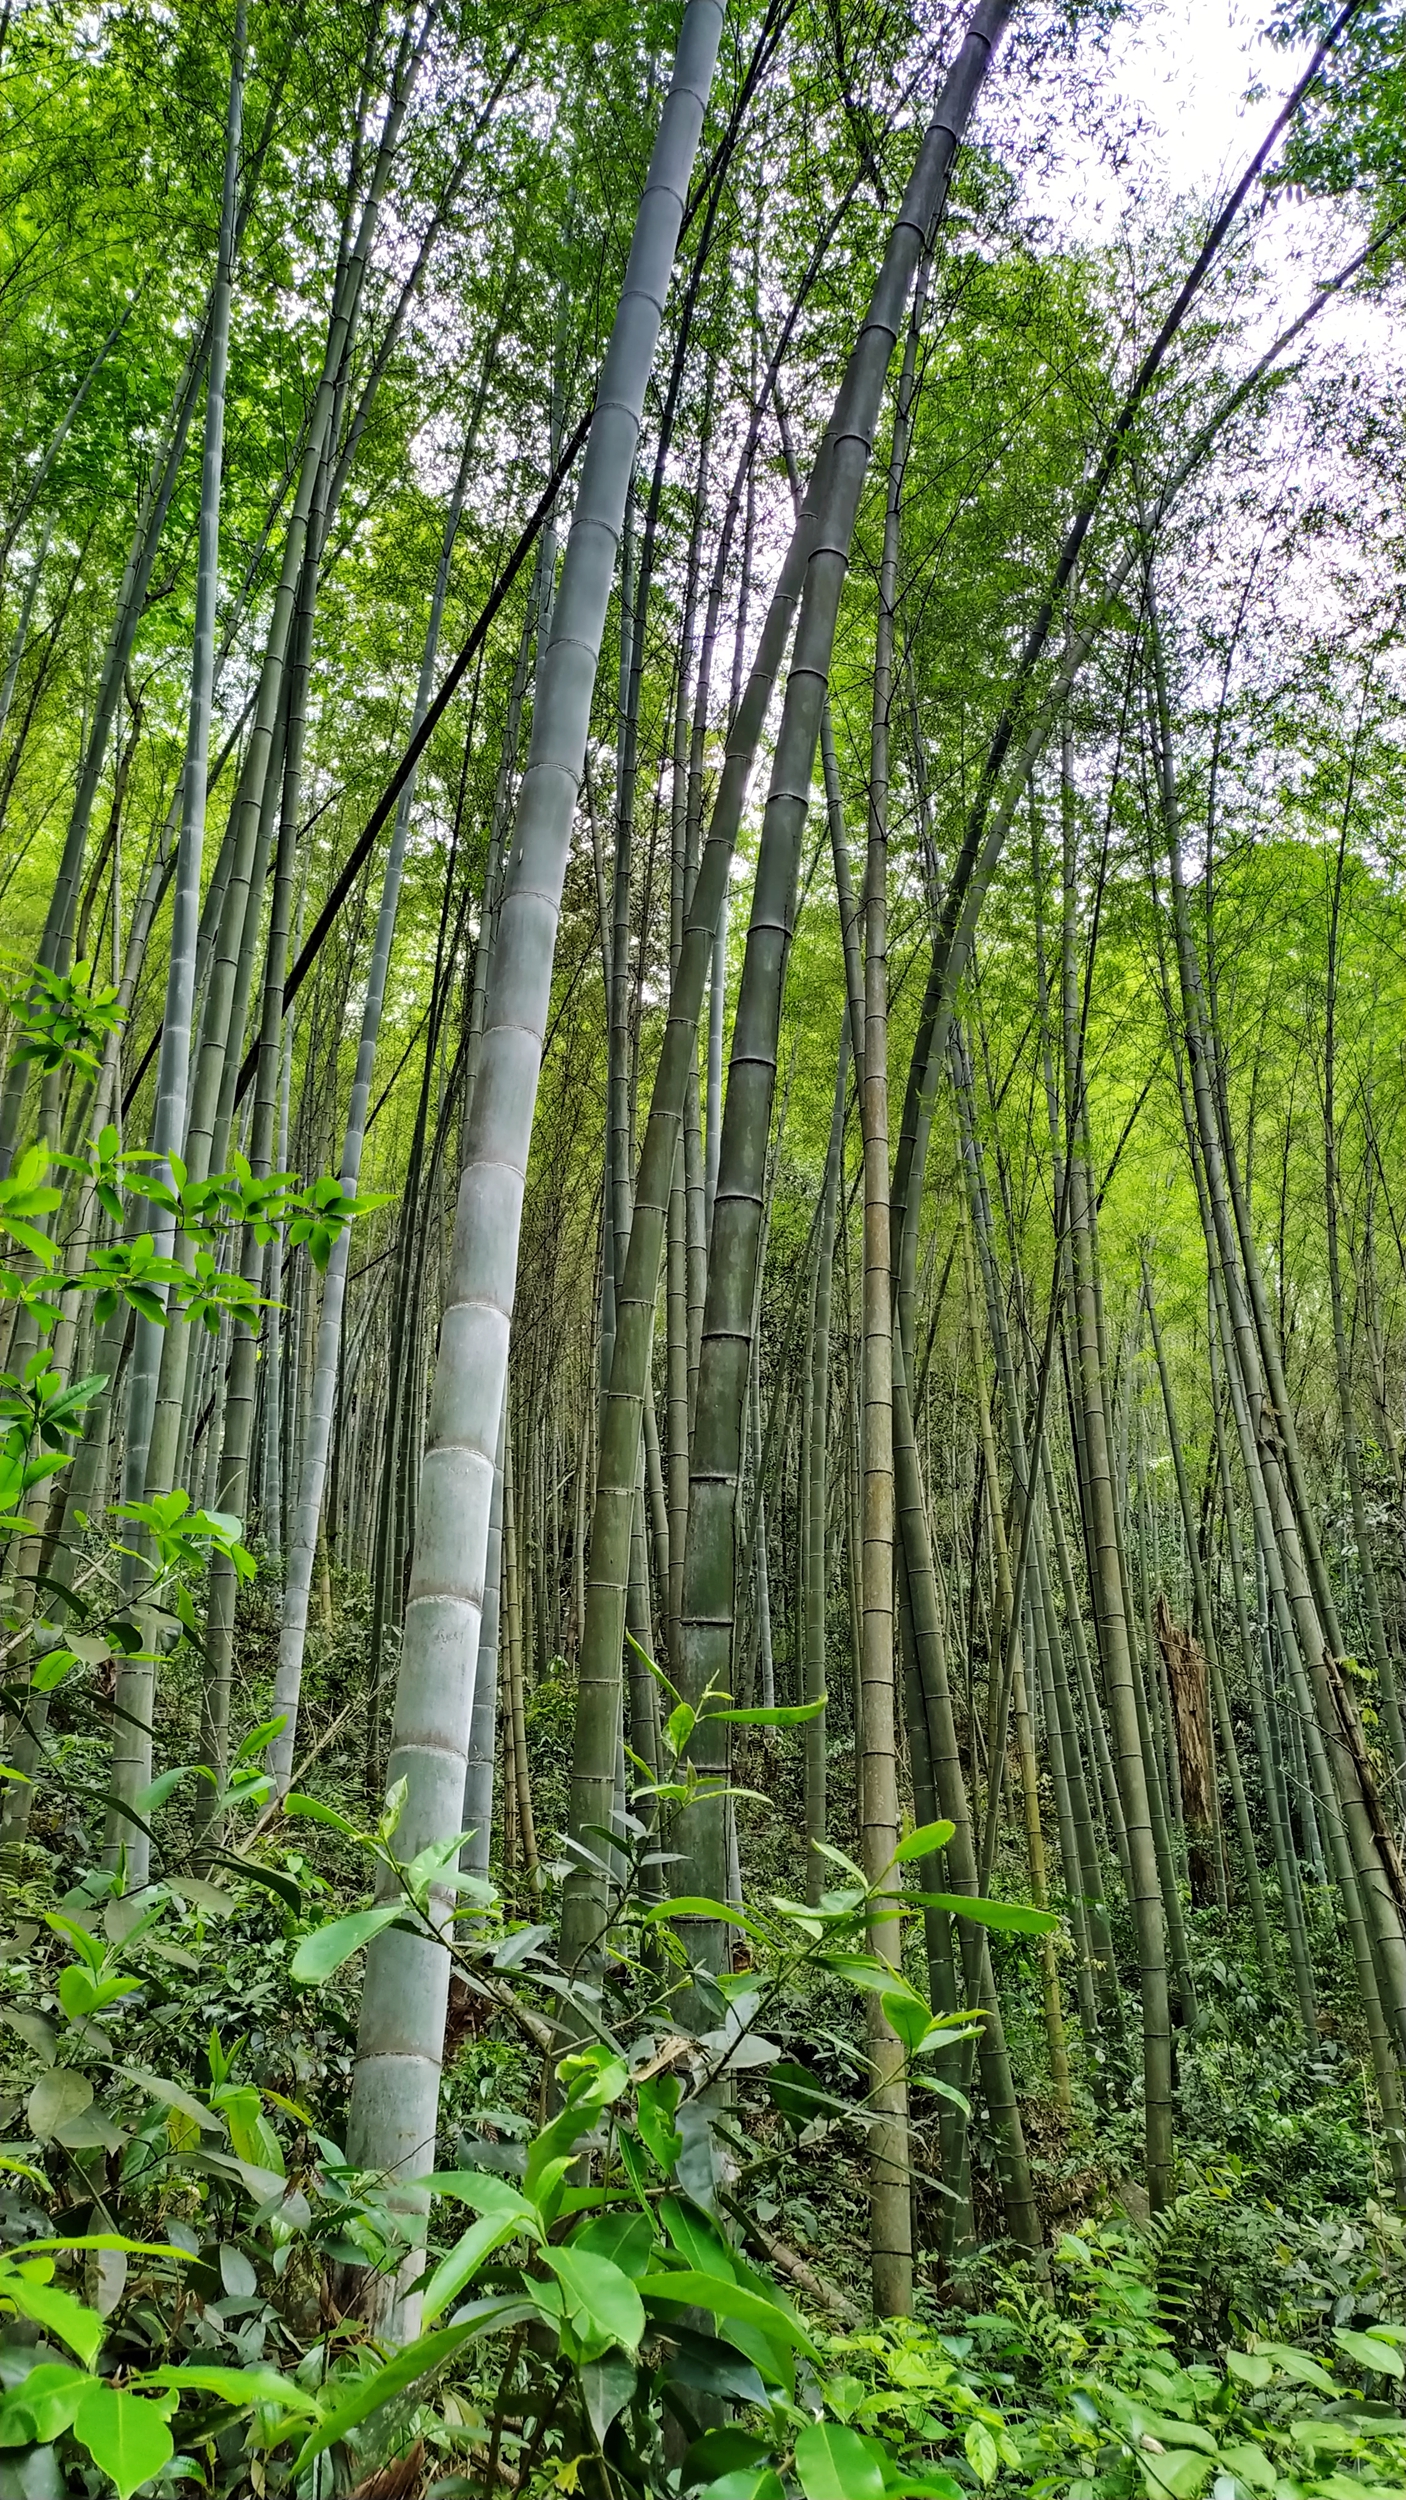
(484, 2192)
(600, 2300)
(57, 2312)
(211, 1899)
(909, 2018)
(254, 2386)
(56, 2098)
(88, 1946)
(594, 2084)
(1013, 1917)
(827, 1849)
(1250, 2465)
(1180, 2474)
(607, 2385)
(797, 2095)
(173, 2096)
(1254, 2369)
(428, 2352)
(698, 1905)
(1369, 2352)
(728, 2449)
(746, 2482)
(625, 2237)
(48, 2399)
(263, 1735)
(126, 2435)
(312, 1810)
(983, 2455)
(864, 1970)
(34, 2028)
(463, 2262)
(325, 1950)
(790, 1714)
(728, 2300)
(923, 1842)
(250, 2134)
(713, 2367)
(1300, 2366)
(834, 2463)
(657, 2099)
(50, 1670)
(679, 1726)
(78, 1991)
(1176, 2432)
(110, 2240)
(160, 1789)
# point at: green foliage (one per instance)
(61, 1019)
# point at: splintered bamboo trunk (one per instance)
(395, 2088)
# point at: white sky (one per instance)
(1187, 65)
(1176, 74)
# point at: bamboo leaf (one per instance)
(1016, 1918)
(727, 2300)
(327, 1948)
(923, 1842)
(790, 1714)
(835, 2463)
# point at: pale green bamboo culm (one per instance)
(710, 1562)
(395, 2089)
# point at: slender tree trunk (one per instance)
(937, 1740)
(710, 1582)
(1254, 1891)
(313, 1475)
(817, 1575)
(1120, 1670)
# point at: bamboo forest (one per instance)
(703, 1302)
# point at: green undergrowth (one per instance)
(193, 2277)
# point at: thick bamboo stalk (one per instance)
(396, 2083)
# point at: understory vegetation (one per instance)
(702, 1451)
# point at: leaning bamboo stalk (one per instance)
(709, 1594)
(396, 2083)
